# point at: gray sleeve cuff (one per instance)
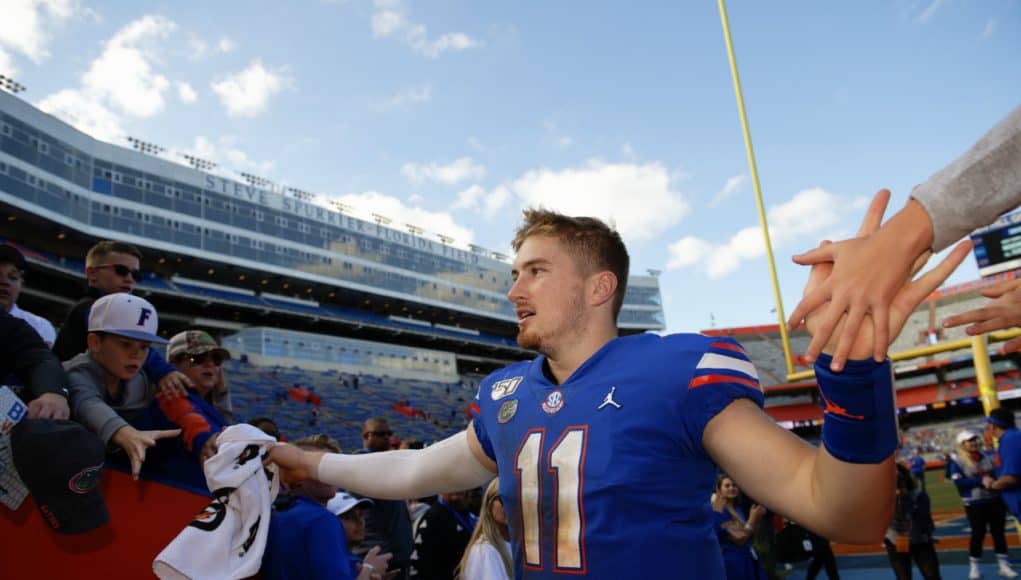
(977, 187)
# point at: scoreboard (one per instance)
(998, 245)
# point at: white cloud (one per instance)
(390, 19)
(637, 198)
(201, 49)
(990, 28)
(810, 214)
(121, 79)
(186, 93)
(477, 198)
(476, 144)
(399, 213)
(732, 186)
(25, 27)
(462, 169)
(86, 113)
(628, 151)
(246, 93)
(406, 98)
(7, 67)
(123, 74)
(226, 152)
(929, 11)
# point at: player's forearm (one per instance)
(855, 500)
(446, 466)
(853, 474)
(977, 187)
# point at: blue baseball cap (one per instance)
(1003, 418)
(125, 315)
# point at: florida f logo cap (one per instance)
(125, 315)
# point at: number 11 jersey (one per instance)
(605, 475)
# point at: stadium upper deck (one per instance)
(52, 171)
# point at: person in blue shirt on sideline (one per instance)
(984, 507)
(1000, 424)
(607, 447)
(734, 529)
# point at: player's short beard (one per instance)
(572, 324)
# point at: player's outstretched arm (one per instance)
(844, 489)
(454, 464)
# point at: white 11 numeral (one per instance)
(565, 461)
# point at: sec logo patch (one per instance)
(553, 403)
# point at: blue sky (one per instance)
(453, 115)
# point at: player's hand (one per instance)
(48, 406)
(295, 464)
(135, 442)
(1002, 313)
(869, 271)
(904, 303)
(175, 384)
(987, 482)
(210, 447)
(374, 565)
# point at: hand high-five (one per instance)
(859, 332)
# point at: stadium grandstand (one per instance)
(240, 256)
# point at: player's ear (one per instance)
(604, 287)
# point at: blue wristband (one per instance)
(859, 413)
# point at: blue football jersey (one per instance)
(605, 475)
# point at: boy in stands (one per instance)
(111, 395)
(112, 267)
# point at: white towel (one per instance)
(228, 538)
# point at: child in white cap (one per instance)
(111, 395)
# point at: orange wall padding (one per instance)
(144, 517)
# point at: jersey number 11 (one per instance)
(565, 460)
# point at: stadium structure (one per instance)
(287, 279)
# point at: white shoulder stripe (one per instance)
(719, 361)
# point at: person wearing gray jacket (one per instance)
(868, 270)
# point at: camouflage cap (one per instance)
(193, 342)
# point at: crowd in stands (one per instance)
(107, 390)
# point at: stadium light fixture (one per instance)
(654, 273)
(445, 239)
(10, 85)
(414, 230)
(381, 219)
(199, 163)
(146, 147)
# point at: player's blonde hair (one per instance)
(594, 245)
(487, 530)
